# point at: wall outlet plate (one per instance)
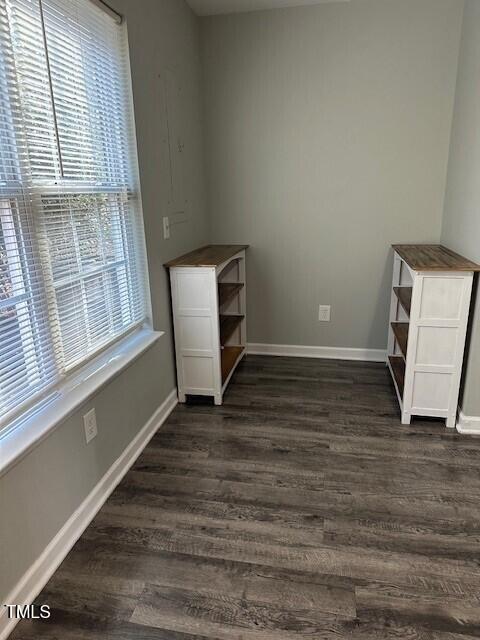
(166, 228)
(90, 425)
(324, 313)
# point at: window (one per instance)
(72, 259)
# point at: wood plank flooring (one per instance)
(301, 508)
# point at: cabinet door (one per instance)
(195, 311)
(436, 341)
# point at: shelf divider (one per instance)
(404, 295)
(227, 291)
(228, 324)
(400, 330)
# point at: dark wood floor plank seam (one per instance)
(301, 508)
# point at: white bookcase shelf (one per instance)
(208, 289)
(429, 311)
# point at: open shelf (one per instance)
(227, 291)
(228, 324)
(400, 330)
(404, 294)
(397, 364)
(229, 358)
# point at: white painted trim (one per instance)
(468, 425)
(33, 581)
(330, 353)
(44, 417)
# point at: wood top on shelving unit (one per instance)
(212, 255)
(433, 257)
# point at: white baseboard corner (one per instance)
(33, 581)
(468, 425)
(331, 353)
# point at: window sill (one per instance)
(41, 420)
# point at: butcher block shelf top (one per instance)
(212, 255)
(433, 257)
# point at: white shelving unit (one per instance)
(208, 288)
(430, 304)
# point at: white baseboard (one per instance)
(332, 353)
(33, 581)
(468, 425)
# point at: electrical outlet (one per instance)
(166, 228)
(90, 425)
(324, 313)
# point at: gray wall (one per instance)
(39, 494)
(461, 224)
(328, 131)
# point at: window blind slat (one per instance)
(72, 258)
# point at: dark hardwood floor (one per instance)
(301, 508)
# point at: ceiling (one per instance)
(214, 7)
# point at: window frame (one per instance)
(138, 333)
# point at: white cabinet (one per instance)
(208, 288)
(429, 311)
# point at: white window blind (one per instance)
(72, 259)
